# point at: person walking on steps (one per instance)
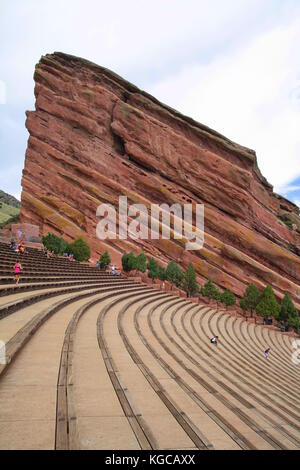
(17, 271)
(266, 353)
(214, 340)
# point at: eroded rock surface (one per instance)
(94, 137)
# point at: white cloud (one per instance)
(252, 97)
(291, 188)
(134, 38)
(2, 92)
(211, 60)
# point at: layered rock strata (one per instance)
(94, 136)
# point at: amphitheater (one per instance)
(95, 361)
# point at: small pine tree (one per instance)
(252, 297)
(161, 274)
(210, 290)
(128, 262)
(141, 262)
(190, 283)
(174, 273)
(152, 267)
(268, 306)
(81, 250)
(104, 260)
(243, 305)
(293, 320)
(288, 313)
(228, 298)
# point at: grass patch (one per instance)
(8, 214)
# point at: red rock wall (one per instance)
(94, 137)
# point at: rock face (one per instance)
(94, 137)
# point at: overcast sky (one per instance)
(233, 65)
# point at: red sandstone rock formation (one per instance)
(94, 136)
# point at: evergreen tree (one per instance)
(161, 273)
(268, 306)
(174, 273)
(293, 320)
(210, 290)
(252, 297)
(190, 283)
(53, 243)
(128, 262)
(243, 305)
(81, 250)
(104, 260)
(141, 262)
(152, 267)
(288, 313)
(228, 298)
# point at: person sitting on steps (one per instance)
(214, 340)
(266, 353)
(22, 248)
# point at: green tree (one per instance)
(288, 313)
(293, 321)
(210, 290)
(174, 273)
(152, 267)
(53, 243)
(190, 283)
(141, 262)
(58, 245)
(268, 306)
(161, 273)
(65, 247)
(243, 305)
(128, 262)
(104, 260)
(228, 298)
(81, 250)
(252, 297)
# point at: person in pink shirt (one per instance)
(17, 271)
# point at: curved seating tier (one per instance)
(95, 361)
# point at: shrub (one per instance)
(65, 247)
(210, 290)
(288, 312)
(190, 283)
(59, 246)
(104, 260)
(128, 262)
(286, 221)
(243, 305)
(252, 297)
(161, 274)
(174, 273)
(228, 298)
(54, 243)
(289, 224)
(141, 262)
(81, 250)
(152, 267)
(268, 306)
(293, 321)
